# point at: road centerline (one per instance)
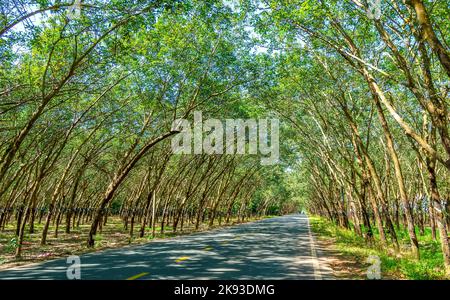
(138, 276)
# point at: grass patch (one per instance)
(397, 265)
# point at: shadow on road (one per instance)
(276, 248)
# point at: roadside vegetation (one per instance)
(393, 265)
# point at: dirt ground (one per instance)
(343, 267)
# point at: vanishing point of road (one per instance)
(270, 249)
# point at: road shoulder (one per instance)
(342, 267)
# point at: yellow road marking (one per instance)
(137, 276)
(180, 259)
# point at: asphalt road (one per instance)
(276, 248)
